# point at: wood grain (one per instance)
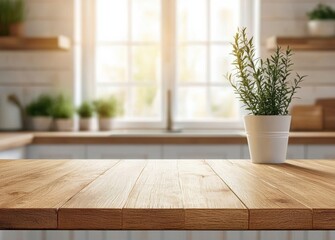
(99, 205)
(36, 198)
(166, 194)
(307, 118)
(157, 194)
(269, 208)
(314, 188)
(202, 190)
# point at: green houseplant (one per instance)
(63, 113)
(107, 109)
(5, 17)
(17, 18)
(39, 112)
(12, 13)
(86, 113)
(266, 89)
(321, 21)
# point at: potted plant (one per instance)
(266, 90)
(17, 17)
(321, 21)
(39, 112)
(63, 112)
(5, 16)
(107, 109)
(86, 113)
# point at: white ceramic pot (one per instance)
(105, 124)
(41, 123)
(267, 138)
(321, 28)
(87, 124)
(64, 125)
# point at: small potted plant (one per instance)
(266, 90)
(321, 21)
(107, 109)
(5, 16)
(86, 114)
(39, 112)
(63, 113)
(17, 18)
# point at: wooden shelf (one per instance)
(35, 43)
(302, 43)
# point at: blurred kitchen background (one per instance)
(137, 50)
(158, 62)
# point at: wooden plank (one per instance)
(99, 205)
(321, 172)
(156, 199)
(47, 43)
(305, 186)
(208, 202)
(36, 208)
(269, 208)
(35, 43)
(302, 43)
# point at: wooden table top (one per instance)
(166, 194)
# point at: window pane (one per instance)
(192, 20)
(221, 60)
(112, 20)
(192, 64)
(224, 19)
(224, 103)
(146, 64)
(120, 93)
(145, 20)
(192, 103)
(111, 64)
(145, 102)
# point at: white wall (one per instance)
(28, 73)
(288, 18)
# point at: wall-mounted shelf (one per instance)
(35, 43)
(302, 43)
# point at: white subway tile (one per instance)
(32, 60)
(32, 77)
(48, 28)
(50, 10)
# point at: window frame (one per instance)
(248, 10)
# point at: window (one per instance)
(139, 49)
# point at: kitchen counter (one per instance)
(166, 194)
(13, 140)
(161, 137)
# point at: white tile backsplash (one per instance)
(30, 73)
(53, 70)
(288, 18)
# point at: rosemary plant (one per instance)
(264, 87)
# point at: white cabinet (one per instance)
(56, 151)
(15, 153)
(124, 151)
(202, 151)
(293, 152)
(320, 152)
